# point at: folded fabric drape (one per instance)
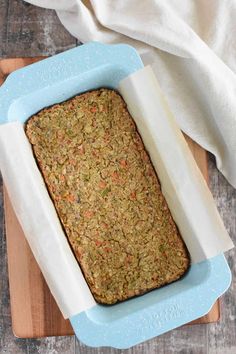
(192, 48)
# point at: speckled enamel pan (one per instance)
(123, 325)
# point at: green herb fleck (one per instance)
(105, 191)
(162, 248)
(86, 178)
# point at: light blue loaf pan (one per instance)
(53, 80)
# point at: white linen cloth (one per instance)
(191, 45)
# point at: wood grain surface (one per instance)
(33, 309)
(27, 30)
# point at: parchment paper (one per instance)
(186, 192)
(39, 221)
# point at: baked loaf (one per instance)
(107, 196)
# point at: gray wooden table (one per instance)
(26, 30)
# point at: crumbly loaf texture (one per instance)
(107, 196)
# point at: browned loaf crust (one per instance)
(107, 196)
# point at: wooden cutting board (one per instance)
(33, 309)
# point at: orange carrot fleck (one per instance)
(104, 225)
(115, 176)
(94, 152)
(70, 198)
(150, 172)
(102, 184)
(72, 162)
(123, 163)
(133, 195)
(88, 214)
(98, 243)
(107, 249)
(81, 149)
